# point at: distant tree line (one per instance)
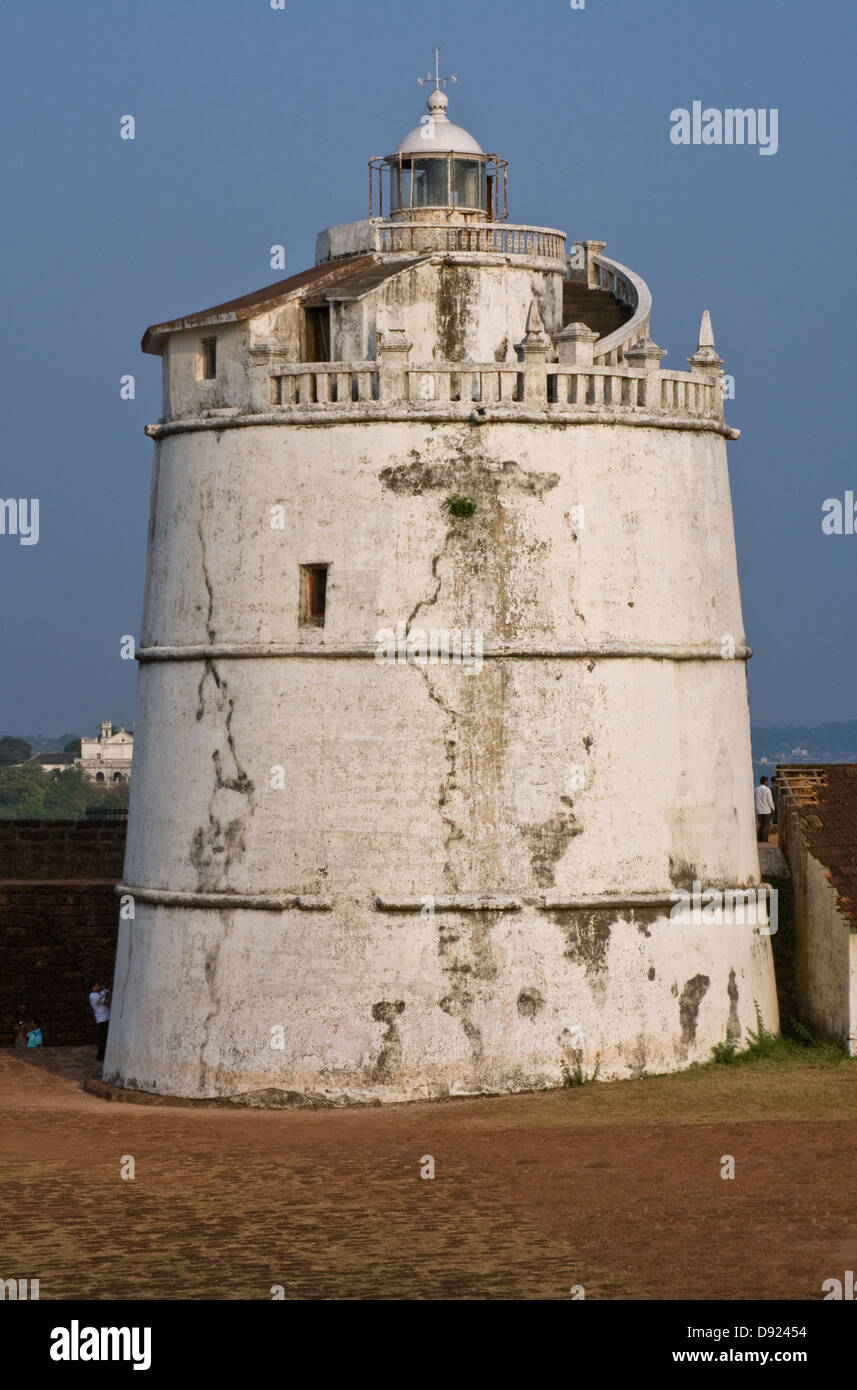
(14, 750)
(30, 793)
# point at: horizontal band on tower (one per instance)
(469, 902)
(594, 902)
(449, 902)
(596, 651)
(261, 902)
(428, 903)
(368, 413)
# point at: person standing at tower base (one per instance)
(99, 999)
(764, 810)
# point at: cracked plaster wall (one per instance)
(403, 781)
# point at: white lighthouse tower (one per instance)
(442, 700)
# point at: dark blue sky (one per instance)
(253, 127)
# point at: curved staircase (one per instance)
(609, 298)
(598, 309)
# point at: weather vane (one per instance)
(435, 76)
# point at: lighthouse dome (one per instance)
(436, 133)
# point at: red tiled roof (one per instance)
(825, 798)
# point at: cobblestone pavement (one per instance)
(616, 1188)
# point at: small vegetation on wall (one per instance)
(459, 506)
(573, 1075)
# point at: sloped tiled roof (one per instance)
(825, 798)
(348, 278)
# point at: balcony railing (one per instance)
(548, 386)
(343, 383)
(541, 243)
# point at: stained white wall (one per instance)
(401, 782)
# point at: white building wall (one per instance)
(188, 391)
(830, 955)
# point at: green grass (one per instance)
(797, 1043)
(790, 1083)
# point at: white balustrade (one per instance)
(457, 388)
(543, 243)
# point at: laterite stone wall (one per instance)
(58, 922)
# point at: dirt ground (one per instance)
(616, 1187)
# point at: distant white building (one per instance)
(52, 762)
(107, 758)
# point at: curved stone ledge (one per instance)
(605, 651)
(368, 413)
(441, 902)
(594, 902)
(549, 902)
(261, 902)
(449, 902)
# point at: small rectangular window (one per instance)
(208, 358)
(313, 595)
(317, 333)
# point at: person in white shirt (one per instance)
(764, 810)
(98, 998)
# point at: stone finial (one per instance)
(645, 354)
(534, 318)
(535, 342)
(705, 359)
(575, 344)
